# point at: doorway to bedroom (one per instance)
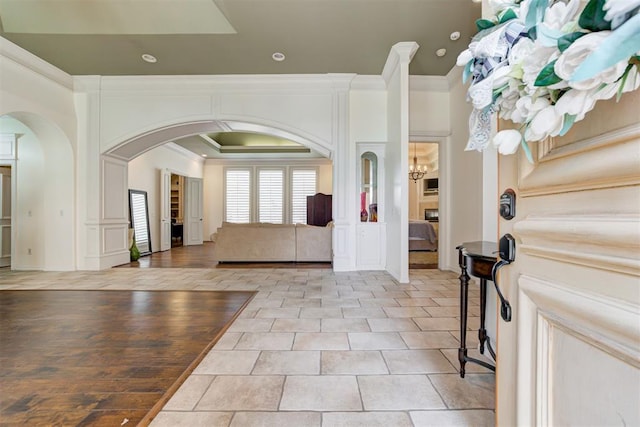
(423, 205)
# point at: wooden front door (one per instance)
(571, 354)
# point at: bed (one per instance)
(423, 235)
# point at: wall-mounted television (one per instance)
(430, 186)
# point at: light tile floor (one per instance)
(318, 348)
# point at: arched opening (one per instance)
(173, 150)
(42, 193)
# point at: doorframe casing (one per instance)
(12, 164)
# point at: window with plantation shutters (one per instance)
(238, 195)
(303, 184)
(271, 195)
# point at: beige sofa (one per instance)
(272, 243)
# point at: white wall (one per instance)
(29, 199)
(214, 185)
(466, 183)
(144, 175)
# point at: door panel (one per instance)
(572, 350)
(5, 217)
(165, 210)
(193, 211)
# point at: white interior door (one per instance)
(5, 216)
(571, 354)
(165, 210)
(193, 211)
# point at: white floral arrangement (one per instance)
(545, 63)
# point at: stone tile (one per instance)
(321, 341)
(376, 341)
(320, 313)
(345, 325)
(234, 362)
(278, 313)
(301, 302)
(191, 419)
(405, 312)
(265, 341)
(276, 419)
(448, 302)
(242, 393)
(417, 362)
(189, 393)
(390, 294)
(352, 363)
(228, 341)
(476, 418)
(363, 313)
(251, 325)
(366, 419)
(296, 325)
(378, 302)
(340, 302)
(452, 355)
(474, 391)
(321, 393)
(259, 303)
(443, 311)
(438, 323)
(398, 392)
(416, 302)
(436, 339)
(392, 325)
(288, 363)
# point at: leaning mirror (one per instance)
(139, 218)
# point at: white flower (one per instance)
(615, 8)
(464, 57)
(559, 14)
(537, 59)
(575, 54)
(547, 122)
(576, 102)
(498, 6)
(520, 51)
(507, 141)
(527, 108)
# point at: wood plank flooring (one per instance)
(100, 357)
(201, 256)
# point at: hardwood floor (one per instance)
(201, 256)
(99, 357)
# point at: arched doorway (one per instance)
(40, 165)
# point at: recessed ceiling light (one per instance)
(146, 57)
(477, 1)
(441, 52)
(278, 56)
(204, 155)
(455, 35)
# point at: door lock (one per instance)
(508, 204)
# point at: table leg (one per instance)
(464, 296)
(482, 332)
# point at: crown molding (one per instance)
(28, 60)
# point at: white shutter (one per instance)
(303, 184)
(271, 195)
(139, 221)
(238, 195)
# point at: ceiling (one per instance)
(209, 37)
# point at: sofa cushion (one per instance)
(256, 243)
(313, 243)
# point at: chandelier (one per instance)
(416, 171)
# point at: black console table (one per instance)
(475, 259)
